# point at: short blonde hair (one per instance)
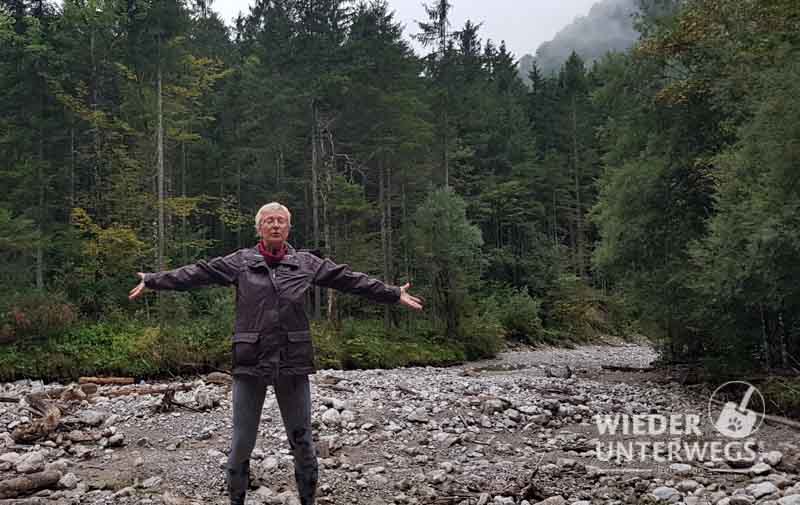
(272, 207)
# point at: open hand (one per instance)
(409, 300)
(139, 289)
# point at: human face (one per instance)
(274, 228)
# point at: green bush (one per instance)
(35, 315)
(128, 348)
(483, 332)
(359, 343)
(576, 313)
(519, 315)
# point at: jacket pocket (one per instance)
(299, 336)
(300, 349)
(245, 348)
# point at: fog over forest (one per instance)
(609, 26)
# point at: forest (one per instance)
(653, 193)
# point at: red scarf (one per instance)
(272, 258)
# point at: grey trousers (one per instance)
(294, 401)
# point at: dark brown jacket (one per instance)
(272, 334)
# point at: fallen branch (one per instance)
(728, 470)
(337, 387)
(27, 484)
(221, 378)
(106, 380)
(9, 399)
(168, 403)
(148, 390)
(456, 497)
(620, 368)
(329, 379)
(40, 428)
(407, 390)
(26, 501)
(531, 491)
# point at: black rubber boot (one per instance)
(238, 480)
(307, 485)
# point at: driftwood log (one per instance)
(148, 390)
(26, 501)
(168, 403)
(27, 484)
(222, 378)
(106, 380)
(40, 428)
(620, 368)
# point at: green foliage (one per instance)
(577, 314)
(447, 248)
(28, 317)
(672, 167)
(367, 344)
(518, 313)
(697, 214)
(483, 332)
(18, 240)
(782, 396)
(747, 262)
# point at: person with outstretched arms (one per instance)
(271, 341)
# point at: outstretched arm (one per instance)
(222, 271)
(408, 299)
(342, 278)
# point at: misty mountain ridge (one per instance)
(607, 27)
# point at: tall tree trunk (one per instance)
(764, 337)
(160, 149)
(384, 245)
(404, 217)
(238, 203)
(328, 160)
(445, 147)
(578, 206)
(185, 252)
(41, 211)
(782, 341)
(390, 276)
(95, 188)
(278, 167)
(555, 220)
(72, 168)
(389, 249)
(315, 196)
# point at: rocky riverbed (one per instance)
(519, 429)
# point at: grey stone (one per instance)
(761, 489)
(760, 469)
(664, 493)
(681, 468)
(553, 500)
(68, 481)
(772, 458)
(30, 462)
(687, 486)
(92, 417)
(331, 417)
(151, 482)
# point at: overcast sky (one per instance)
(523, 24)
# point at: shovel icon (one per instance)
(736, 421)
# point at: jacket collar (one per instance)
(255, 259)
